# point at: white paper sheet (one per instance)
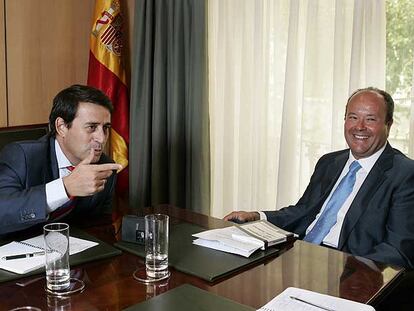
(297, 299)
(223, 240)
(25, 265)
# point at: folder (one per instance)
(187, 297)
(205, 263)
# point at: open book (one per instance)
(34, 247)
(294, 299)
(243, 239)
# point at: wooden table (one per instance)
(110, 285)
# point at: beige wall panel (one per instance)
(47, 50)
(3, 98)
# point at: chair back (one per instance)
(11, 134)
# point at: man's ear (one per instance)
(388, 125)
(61, 127)
(390, 122)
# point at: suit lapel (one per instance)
(53, 169)
(374, 180)
(332, 173)
(48, 168)
(329, 177)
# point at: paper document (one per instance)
(243, 239)
(34, 246)
(265, 232)
(222, 240)
(296, 299)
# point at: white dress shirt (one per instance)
(56, 194)
(332, 238)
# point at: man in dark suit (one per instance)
(376, 218)
(64, 173)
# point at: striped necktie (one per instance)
(328, 217)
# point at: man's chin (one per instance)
(359, 145)
(361, 152)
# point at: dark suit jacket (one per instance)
(380, 221)
(25, 168)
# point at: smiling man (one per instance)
(64, 175)
(359, 200)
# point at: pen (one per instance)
(310, 303)
(20, 256)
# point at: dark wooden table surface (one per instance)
(110, 285)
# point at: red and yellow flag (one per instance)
(107, 73)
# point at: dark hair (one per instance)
(389, 102)
(65, 103)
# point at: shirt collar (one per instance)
(62, 160)
(366, 163)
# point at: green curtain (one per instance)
(169, 141)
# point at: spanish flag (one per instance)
(107, 73)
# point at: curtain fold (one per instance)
(170, 155)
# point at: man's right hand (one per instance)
(87, 179)
(242, 216)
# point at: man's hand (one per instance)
(88, 179)
(242, 216)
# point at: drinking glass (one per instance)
(156, 246)
(56, 237)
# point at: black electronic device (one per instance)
(133, 229)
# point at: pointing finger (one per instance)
(107, 167)
(89, 158)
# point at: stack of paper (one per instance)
(223, 240)
(243, 239)
(296, 299)
(32, 246)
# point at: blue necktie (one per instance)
(328, 218)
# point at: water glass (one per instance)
(156, 246)
(56, 237)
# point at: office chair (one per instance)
(16, 133)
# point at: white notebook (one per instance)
(297, 299)
(242, 239)
(223, 240)
(34, 245)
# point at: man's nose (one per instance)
(100, 136)
(360, 125)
